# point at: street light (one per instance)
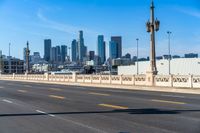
(169, 50)
(137, 56)
(152, 26)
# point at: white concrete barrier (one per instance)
(140, 80)
(163, 80)
(196, 81)
(187, 81)
(182, 81)
(128, 80)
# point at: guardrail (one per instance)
(186, 81)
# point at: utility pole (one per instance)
(169, 50)
(137, 56)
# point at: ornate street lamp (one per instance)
(152, 27)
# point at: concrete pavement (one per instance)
(52, 108)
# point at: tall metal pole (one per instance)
(169, 50)
(137, 57)
(152, 26)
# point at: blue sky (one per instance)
(60, 20)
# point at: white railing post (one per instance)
(172, 80)
(13, 75)
(191, 80)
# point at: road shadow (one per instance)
(147, 111)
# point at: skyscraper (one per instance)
(82, 50)
(47, 49)
(101, 48)
(74, 50)
(53, 54)
(63, 53)
(113, 50)
(91, 55)
(58, 52)
(118, 41)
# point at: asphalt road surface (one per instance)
(46, 108)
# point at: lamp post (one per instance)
(152, 27)
(27, 58)
(169, 50)
(137, 56)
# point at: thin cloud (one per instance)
(190, 12)
(67, 28)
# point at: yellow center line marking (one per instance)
(98, 94)
(55, 89)
(57, 97)
(113, 106)
(23, 91)
(171, 102)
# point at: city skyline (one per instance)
(52, 20)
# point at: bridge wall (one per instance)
(185, 81)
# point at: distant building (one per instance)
(127, 56)
(53, 55)
(74, 48)
(176, 57)
(118, 41)
(63, 53)
(35, 58)
(12, 65)
(167, 57)
(191, 55)
(58, 52)
(101, 49)
(113, 50)
(82, 49)
(181, 66)
(47, 49)
(121, 62)
(24, 54)
(91, 55)
(159, 57)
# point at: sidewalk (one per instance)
(105, 86)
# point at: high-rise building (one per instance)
(113, 50)
(47, 49)
(118, 41)
(24, 54)
(63, 53)
(101, 49)
(91, 55)
(74, 50)
(191, 55)
(53, 54)
(58, 52)
(82, 50)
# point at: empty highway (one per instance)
(46, 108)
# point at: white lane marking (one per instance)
(175, 96)
(1, 87)
(7, 101)
(51, 115)
(42, 112)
